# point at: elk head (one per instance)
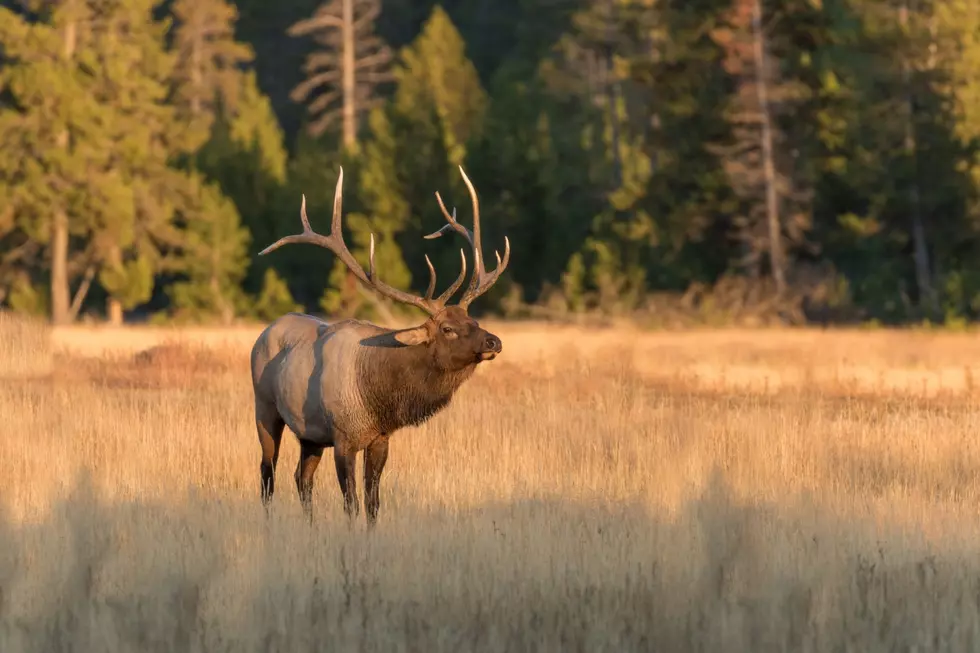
(454, 339)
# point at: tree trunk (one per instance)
(350, 86)
(114, 311)
(220, 301)
(113, 307)
(768, 167)
(59, 268)
(920, 247)
(80, 293)
(60, 301)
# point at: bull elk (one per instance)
(350, 385)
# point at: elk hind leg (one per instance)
(309, 459)
(269, 425)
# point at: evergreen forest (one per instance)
(675, 161)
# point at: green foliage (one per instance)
(254, 130)
(245, 155)
(129, 282)
(274, 299)
(617, 144)
(573, 282)
(213, 255)
(435, 75)
(206, 74)
(28, 298)
(414, 148)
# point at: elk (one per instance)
(351, 384)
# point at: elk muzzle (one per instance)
(491, 347)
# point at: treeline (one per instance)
(675, 159)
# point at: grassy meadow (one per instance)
(589, 490)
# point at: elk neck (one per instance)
(402, 386)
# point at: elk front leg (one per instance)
(344, 458)
(375, 458)
(309, 458)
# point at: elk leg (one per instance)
(375, 457)
(269, 425)
(345, 458)
(309, 458)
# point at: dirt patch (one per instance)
(166, 365)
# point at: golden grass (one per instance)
(586, 491)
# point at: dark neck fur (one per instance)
(401, 386)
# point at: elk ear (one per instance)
(416, 336)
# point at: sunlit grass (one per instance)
(586, 491)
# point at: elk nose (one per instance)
(492, 343)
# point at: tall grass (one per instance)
(581, 505)
(25, 346)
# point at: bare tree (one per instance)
(348, 67)
(759, 162)
(768, 167)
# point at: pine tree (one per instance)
(945, 75)
(436, 76)
(212, 255)
(92, 139)
(902, 210)
(758, 162)
(958, 22)
(209, 59)
(274, 299)
(17, 251)
(246, 156)
(133, 74)
(352, 62)
(49, 106)
(636, 93)
(386, 217)
(414, 145)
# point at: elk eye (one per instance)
(447, 330)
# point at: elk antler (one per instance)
(481, 281)
(335, 243)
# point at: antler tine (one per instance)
(338, 201)
(432, 278)
(480, 282)
(478, 270)
(307, 236)
(452, 226)
(335, 243)
(303, 217)
(451, 290)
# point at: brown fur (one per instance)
(350, 385)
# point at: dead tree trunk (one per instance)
(351, 62)
(350, 81)
(768, 166)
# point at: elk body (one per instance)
(351, 384)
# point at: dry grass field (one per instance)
(587, 491)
